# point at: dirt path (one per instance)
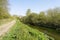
(4, 28)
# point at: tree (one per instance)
(42, 18)
(4, 9)
(28, 12)
(53, 17)
(50, 20)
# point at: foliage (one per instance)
(49, 19)
(4, 9)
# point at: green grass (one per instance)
(21, 31)
(51, 32)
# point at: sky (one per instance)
(19, 7)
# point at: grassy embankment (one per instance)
(50, 32)
(21, 31)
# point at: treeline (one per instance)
(49, 18)
(4, 13)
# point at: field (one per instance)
(21, 31)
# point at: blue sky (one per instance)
(19, 7)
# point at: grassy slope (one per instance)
(21, 31)
(50, 32)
